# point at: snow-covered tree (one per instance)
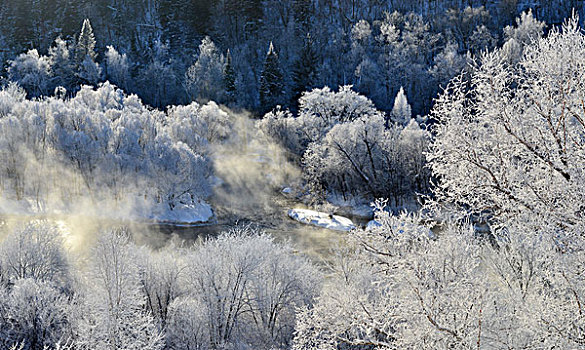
(527, 31)
(107, 143)
(512, 142)
(401, 112)
(321, 109)
(204, 79)
(398, 285)
(35, 251)
(244, 289)
(88, 70)
(113, 314)
(34, 315)
(448, 64)
(117, 68)
(159, 277)
(62, 65)
(32, 72)
(85, 45)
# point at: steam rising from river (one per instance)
(249, 171)
(252, 170)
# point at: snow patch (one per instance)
(372, 224)
(315, 218)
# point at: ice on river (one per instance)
(315, 218)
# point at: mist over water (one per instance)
(249, 173)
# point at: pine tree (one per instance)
(271, 81)
(88, 71)
(229, 77)
(304, 73)
(86, 42)
(401, 112)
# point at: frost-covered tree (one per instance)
(62, 65)
(117, 68)
(448, 64)
(32, 72)
(512, 142)
(242, 288)
(35, 251)
(401, 112)
(204, 79)
(34, 315)
(103, 142)
(365, 158)
(398, 285)
(528, 30)
(113, 313)
(321, 109)
(88, 70)
(85, 45)
(345, 146)
(35, 287)
(160, 274)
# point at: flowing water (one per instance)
(81, 231)
(272, 218)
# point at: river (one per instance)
(271, 217)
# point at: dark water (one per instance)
(269, 216)
(80, 232)
(311, 240)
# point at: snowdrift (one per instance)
(324, 220)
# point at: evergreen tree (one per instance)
(86, 42)
(229, 77)
(88, 71)
(271, 81)
(304, 73)
(401, 112)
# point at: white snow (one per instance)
(315, 218)
(373, 224)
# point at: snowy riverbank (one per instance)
(324, 220)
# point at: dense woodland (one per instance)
(462, 112)
(158, 49)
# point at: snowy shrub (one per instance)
(245, 289)
(399, 286)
